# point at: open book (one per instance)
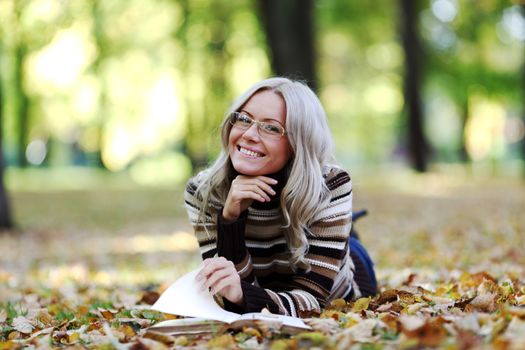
(204, 315)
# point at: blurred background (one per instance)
(107, 107)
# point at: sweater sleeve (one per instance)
(232, 246)
(230, 237)
(215, 236)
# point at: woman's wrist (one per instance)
(238, 300)
(227, 217)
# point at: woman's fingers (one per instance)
(227, 282)
(210, 265)
(216, 281)
(262, 182)
(220, 277)
(243, 191)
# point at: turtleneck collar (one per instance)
(282, 177)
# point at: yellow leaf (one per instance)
(284, 344)
(311, 339)
(9, 345)
(338, 304)
(73, 338)
(361, 304)
(336, 315)
(252, 332)
(13, 335)
(127, 330)
(223, 341)
(181, 341)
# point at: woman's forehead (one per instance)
(266, 105)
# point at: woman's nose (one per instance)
(252, 133)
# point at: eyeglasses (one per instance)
(266, 129)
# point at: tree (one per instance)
(22, 104)
(522, 8)
(417, 143)
(290, 36)
(20, 51)
(5, 214)
(101, 45)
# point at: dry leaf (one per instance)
(150, 297)
(22, 325)
(323, 325)
(429, 332)
(484, 303)
(360, 304)
(515, 330)
(3, 316)
(361, 332)
(148, 344)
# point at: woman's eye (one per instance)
(244, 119)
(272, 129)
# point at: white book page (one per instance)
(185, 298)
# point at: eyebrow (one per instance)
(264, 119)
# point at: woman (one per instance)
(271, 215)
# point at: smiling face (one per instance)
(251, 153)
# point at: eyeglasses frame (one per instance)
(256, 122)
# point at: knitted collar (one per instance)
(282, 177)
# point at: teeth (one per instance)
(248, 152)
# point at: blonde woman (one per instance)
(272, 215)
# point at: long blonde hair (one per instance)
(311, 143)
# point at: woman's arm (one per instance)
(226, 237)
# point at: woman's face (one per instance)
(252, 153)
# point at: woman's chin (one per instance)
(248, 172)
(247, 169)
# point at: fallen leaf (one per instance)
(324, 325)
(150, 297)
(223, 341)
(484, 303)
(429, 332)
(360, 304)
(22, 325)
(361, 332)
(161, 337)
(148, 344)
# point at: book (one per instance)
(202, 314)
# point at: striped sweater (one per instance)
(256, 244)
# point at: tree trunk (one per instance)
(22, 105)
(5, 213)
(193, 145)
(522, 8)
(100, 42)
(417, 143)
(463, 153)
(290, 36)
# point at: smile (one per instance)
(249, 153)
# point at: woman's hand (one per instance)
(243, 191)
(220, 277)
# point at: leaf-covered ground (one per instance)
(84, 266)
